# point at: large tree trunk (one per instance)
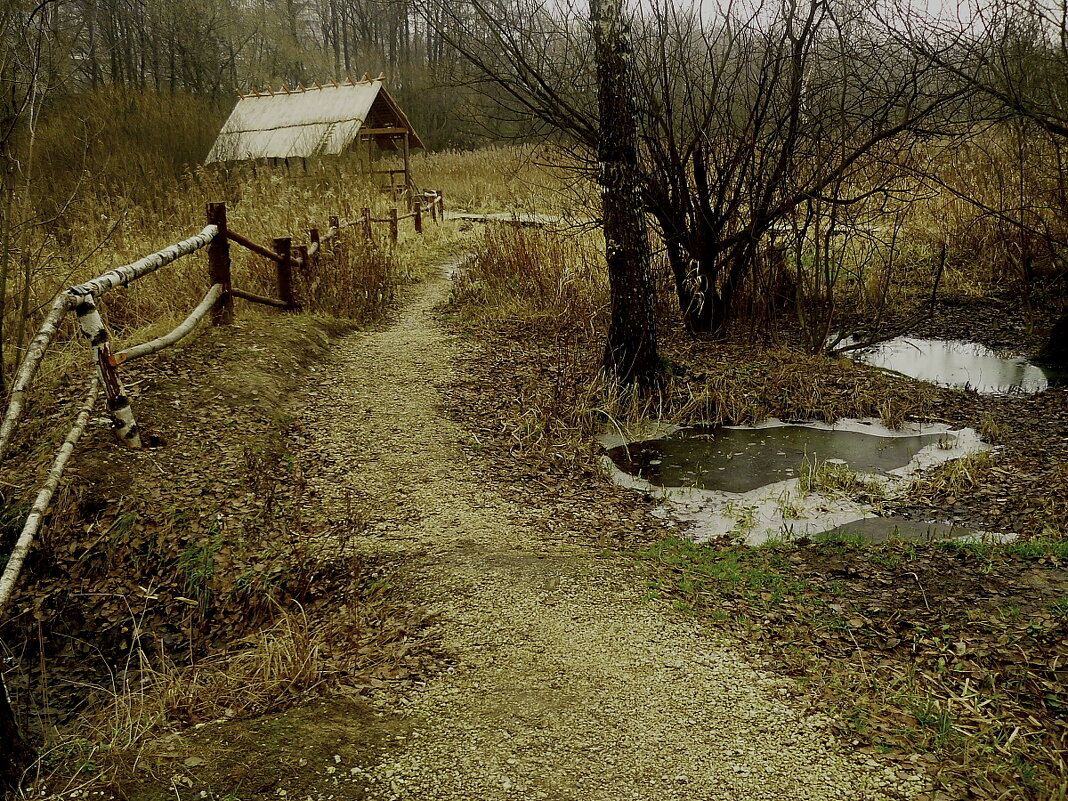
(1056, 350)
(631, 352)
(15, 753)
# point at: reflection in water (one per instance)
(742, 482)
(958, 364)
(885, 529)
(743, 459)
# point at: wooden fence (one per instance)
(83, 300)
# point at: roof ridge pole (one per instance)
(351, 82)
(366, 77)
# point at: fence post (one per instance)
(302, 258)
(368, 234)
(335, 221)
(219, 266)
(418, 217)
(283, 246)
(313, 237)
(434, 209)
(394, 227)
(441, 205)
(94, 330)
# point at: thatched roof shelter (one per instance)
(313, 121)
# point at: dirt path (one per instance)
(569, 684)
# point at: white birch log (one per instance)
(30, 364)
(93, 328)
(44, 498)
(182, 331)
(121, 276)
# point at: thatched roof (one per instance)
(321, 120)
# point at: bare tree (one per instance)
(746, 119)
(631, 350)
(1014, 55)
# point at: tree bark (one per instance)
(1055, 351)
(15, 753)
(631, 353)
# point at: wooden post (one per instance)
(394, 227)
(94, 330)
(283, 246)
(335, 222)
(219, 266)
(441, 205)
(418, 217)
(313, 237)
(407, 154)
(434, 209)
(368, 234)
(302, 258)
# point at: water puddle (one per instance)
(958, 364)
(744, 482)
(735, 459)
(885, 529)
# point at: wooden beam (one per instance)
(383, 131)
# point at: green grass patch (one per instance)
(697, 572)
(1038, 548)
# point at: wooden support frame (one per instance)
(407, 161)
(394, 226)
(94, 330)
(252, 297)
(283, 246)
(222, 312)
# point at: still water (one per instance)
(744, 459)
(957, 364)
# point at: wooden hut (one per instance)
(321, 120)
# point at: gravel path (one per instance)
(569, 684)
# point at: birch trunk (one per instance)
(94, 330)
(121, 276)
(631, 353)
(44, 499)
(30, 363)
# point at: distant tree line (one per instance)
(767, 129)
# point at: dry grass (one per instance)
(956, 478)
(535, 275)
(301, 654)
(837, 479)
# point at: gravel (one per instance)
(568, 680)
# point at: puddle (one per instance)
(742, 481)
(958, 364)
(734, 459)
(883, 529)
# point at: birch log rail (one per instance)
(84, 299)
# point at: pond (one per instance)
(743, 481)
(958, 364)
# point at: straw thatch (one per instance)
(320, 120)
